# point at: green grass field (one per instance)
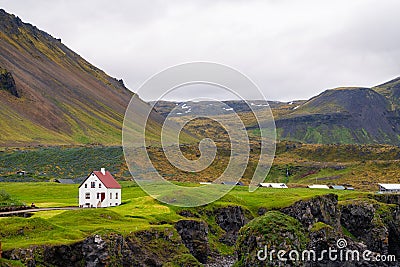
(138, 211)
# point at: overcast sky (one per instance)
(292, 49)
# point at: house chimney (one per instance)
(103, 171)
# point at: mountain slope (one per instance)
(51, 95)
(342, 115)
(390, 90)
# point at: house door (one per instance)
(103, 196)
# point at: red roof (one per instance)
(107, 179)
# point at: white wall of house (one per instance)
(114, 197)
(90, 197)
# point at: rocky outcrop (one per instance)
(388, 198)
(188, 214)
(230, 219)
(320, 224)
(361, 221)
(145, 248)
(7, 82)
(269, 233)
(315, 224)
(194, 235)
(319, 209)
(394, 233)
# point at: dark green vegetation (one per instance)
(6, 200)
(60, 162)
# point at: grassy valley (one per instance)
(137, 212)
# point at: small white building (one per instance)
(99, 190)
(337, 187)
(274, 185)
(389, 188)
(318, 186)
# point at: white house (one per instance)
(274, 185)
(99, 190)
(389, 188)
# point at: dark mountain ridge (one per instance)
(342, 115)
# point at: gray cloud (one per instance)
(291, 49)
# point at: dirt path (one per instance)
(15, 212)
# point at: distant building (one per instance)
(64, 181)
(205, 183)
(318, 186)
(99, 190)
(389, 188)
(274, 185)
(349, 188)
(338, 187)
(22, 173)
(232, 183)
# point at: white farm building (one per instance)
(274, 185)
(389, 188)
(99, 190)
(318, 186)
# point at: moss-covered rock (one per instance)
(318, 209)
(272, 231)
(230, 219)
(153, 247)
(371, 222)
(194, 235)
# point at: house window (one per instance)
(87, 195)
(98, 195)
(116, 204)
(100, 185)
(93, 184)
(85, 185)
(110, 195)
(116, 195)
